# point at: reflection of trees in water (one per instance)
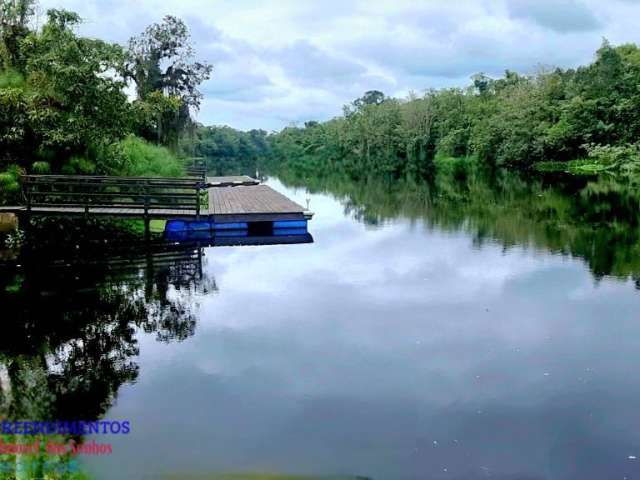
(594, 220)
(68, 339)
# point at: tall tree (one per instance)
(162, 60)
(14, 27)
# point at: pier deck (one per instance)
(230, 199)
(252, 204)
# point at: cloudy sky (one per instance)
(278, 62)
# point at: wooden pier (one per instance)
(213, 199)
(256, 203)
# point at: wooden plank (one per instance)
(250, 200)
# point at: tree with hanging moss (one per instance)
(161, 64)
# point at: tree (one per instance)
(372, 97)
(74, 103)
(161, 60)
(14, 27)
(64, 103)
(482, 83)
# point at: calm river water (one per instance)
(476, 330)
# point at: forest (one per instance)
(64, 108)
(63, 103)
(584, 121)
(227, 150)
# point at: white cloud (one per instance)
(282, 61)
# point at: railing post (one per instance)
(146, 201)
(147, 222)
(198, 202)
(28, 192)
(147, 229)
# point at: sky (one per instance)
(283, 62)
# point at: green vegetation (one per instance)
(227, 150)
(584, 120)
(595, 220)
(142, 159)
(97, 301)
(136, 227)
(63, 107)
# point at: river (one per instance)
(473, 329)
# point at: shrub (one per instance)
(144, 159)
(618, 156)
(79, 165)
(41, 167)
(9, 183)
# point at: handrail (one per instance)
(140, 193)
(110, 179)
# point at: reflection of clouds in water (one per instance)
(395, 353)
(394, 264)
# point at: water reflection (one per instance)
(467, 329)
(596, 220)
(69, 325)
(71, 310)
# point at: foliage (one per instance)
(63, 106)
(587, 119)
(9, 183)
(59, 99)
(227, 150)
(14, 20)
(160, 62)
(158, 118)
(594, 219)
(41, 167)
(10, 78)
(144, 159)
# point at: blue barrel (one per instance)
(282, 232)
(173, 236)
(175, 226)
(230, 226)
(290, 224)
(232, 233)
(199, 226)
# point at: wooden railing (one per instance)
(143, 194)
(196, 167)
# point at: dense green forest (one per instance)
(63, 106)
(584, 120)
(227, 150)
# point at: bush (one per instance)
(79, 166)
(10, 184)
(141, 158)
(41, 167)
(617, 156)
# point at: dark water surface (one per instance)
(423, 335)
